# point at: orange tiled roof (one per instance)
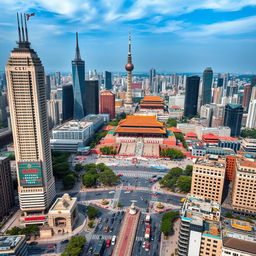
(148, 104)
(140, 121)
(152, 98)
(140, 130)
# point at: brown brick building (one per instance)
(107, 103)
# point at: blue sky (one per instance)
(169, 35)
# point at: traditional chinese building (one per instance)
(141, 126)
(152, 102)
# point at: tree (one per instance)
(176, 172)
(69, 181)
(180, 137)
(13, 231)
(172, 153)
(108, 177)
(167, 222)
(11, 156)
(188, 170)
(92, 212)
(119, 205)
(79, 167)
(89, 180)
(248, 133)
(60, 169)
(77, 241)
(171, 122)
(184, 183)
(74, 247)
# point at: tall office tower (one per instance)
(92, 94)
(251, 118)
(26, 92)
(6, 188)
(108, 80)
(200, 232)
(207, 86)
(206, 112)
(230, 167)
(67, 102)
(233, 118)
(243, 189)
(79, 92)
(220, 82)
(107, 103)
(3, 105)
(47, 87)
(129, 68)
(152, 74)
(191, 96)
(247, 96)
(58, 78)
(253, 95)
(53, 113)
(208, 178)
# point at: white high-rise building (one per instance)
(251, 118)
(27, 102)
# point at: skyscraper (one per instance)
(207, 86)
(53, 113)
(247, 96)
(6, 188)
(67, 102)
(92, 93)
(107, 103)
(233, 118)
(78, 74)
(129, 67)
(251, 118)
(191, 96)
(108, 80)
(48, 87)
(152, 74)
(27, 102)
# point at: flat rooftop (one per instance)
(220, 163)
(241, 245)
(8, 243)
(73, 126)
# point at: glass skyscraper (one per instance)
(78, 74)
(207, 86)
(108, 80)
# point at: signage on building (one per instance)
(34, 218)
(30, 174)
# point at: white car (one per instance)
(143, 244)
(111, 192)
(113, 240)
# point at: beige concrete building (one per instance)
(208, 178)
(27, 103)
(244, 187)
(200, 232)
(63, 214)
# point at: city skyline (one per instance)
(219, 34)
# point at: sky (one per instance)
(168, 35)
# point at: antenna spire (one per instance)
(18, 27)
(129, 44)
(26, 29)
(77, 57)
(22, 28)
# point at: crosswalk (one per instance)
(146, 175)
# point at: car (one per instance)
(106, 229)
(154, 176)
(106, 221)
(113, 215)
(120, 175)
(33, 243)
(112, 192)
(143, 244)
(112, 220)
(65, 241)
(98, 194)
(90, 250)
(139, 243)
(99, 220)
(153, 194)
(113, 240)
(50, 251)
(147, 247)
(108, 243)
(51, 246)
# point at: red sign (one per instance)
(34, 218)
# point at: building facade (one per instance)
(6, 187)
(233, 118)
(251, 118)
(79, 92)
(191, 96)
(207, 86)
(243, 189)
(107, 103)
(13, 246)
(208, 178)
(27, 98)
(108, 80)
(67, 102)
(92, 94)
(53, 113)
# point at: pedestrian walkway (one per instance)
(101, 237)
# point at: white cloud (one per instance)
(234, 27)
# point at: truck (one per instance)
(147, 219)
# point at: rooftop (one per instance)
(211, 162)
(227, 138)
(240, 245)
(142, 121)
(152, 98)
(73, 125)
(107, 93)
(247, 163)
(63, 203)
(8, 243)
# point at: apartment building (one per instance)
(208, 178)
